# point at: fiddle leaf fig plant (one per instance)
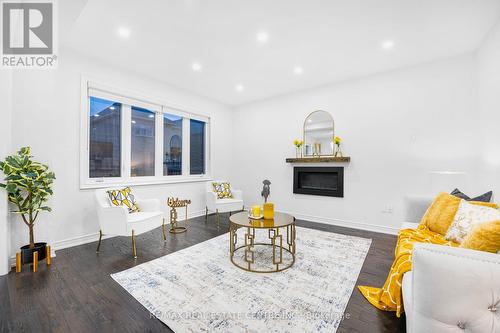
(28, 184)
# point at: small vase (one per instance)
(298, 152)
(338, 152)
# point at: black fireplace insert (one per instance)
(324, 181)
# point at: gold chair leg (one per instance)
(163, 230)
(99, 244)
(134, 250)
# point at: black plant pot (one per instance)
(27, 253)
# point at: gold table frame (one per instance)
(284, 221)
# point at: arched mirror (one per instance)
(318, 134)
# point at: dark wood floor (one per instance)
(77, 294)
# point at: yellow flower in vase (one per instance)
(298, 143)
(338, 152)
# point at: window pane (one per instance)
(105, 138)
(172, 145)
(143, 143)
(197, 152)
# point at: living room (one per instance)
(250, 166)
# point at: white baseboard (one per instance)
(347, 224)
(94, 237)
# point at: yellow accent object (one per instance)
(124, 197)
(256, 211)
(268, 211)
(223, 190)
(483, 237)
(440, 214)
(388, 298)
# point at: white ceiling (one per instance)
(332, 40)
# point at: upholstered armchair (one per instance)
(116, 220)
(451, 289)
(226, 205)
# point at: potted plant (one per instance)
(28, 184)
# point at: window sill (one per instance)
(143, 182)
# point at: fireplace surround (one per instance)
(323, 181)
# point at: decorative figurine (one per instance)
(266, 190)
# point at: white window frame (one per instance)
(127, 98)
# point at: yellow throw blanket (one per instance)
(388, 297)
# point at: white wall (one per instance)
(47, 118)
(397, 127)
(5, 147)
(488, 60)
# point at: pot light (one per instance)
(111, 107)
(96, 115)
(196, 67)
(262, 37)
(239, 87)
(133, 121)
(298, 70)
(151, 116)
(123, 32)
(387, 44)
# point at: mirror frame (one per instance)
(304, 133)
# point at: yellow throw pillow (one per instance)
(223, 190)
(440, 214)
(483, 237)
(124, 197)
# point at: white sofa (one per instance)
(228, 205)
(449, 289)
(116, 220)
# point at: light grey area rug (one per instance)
(198, 289)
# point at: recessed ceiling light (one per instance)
(387, 44)
(151, 116)
(111, 107)
(133, 121)
(196, 67)
(239, 87)
(96, 115)
(262, 37)
(123, 32)
(298, 70)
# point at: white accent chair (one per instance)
(227, 205)
(116, 220)
(449, 289)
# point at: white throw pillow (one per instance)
(467, 216)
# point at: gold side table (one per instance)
(282, 225)
(174, 204)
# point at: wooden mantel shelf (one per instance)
(322, 159)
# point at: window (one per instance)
(143, 143)
(105, 138)
(128, 140)
(197, 149)
(172, 144)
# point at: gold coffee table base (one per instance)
(281, 229)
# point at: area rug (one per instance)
(198, 289)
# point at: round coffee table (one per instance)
(275, 235)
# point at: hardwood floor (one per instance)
(77, 294)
